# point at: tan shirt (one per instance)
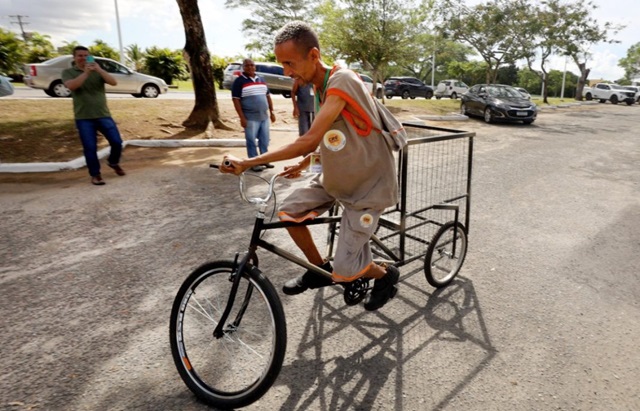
(358, 165)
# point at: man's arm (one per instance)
(302, 146)
(76, 83)
(238, 106)
(294, 99)
(272, 114)
(108, 78)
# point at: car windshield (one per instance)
(496, 91)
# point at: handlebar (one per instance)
(241, 185)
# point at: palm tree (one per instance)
(136, 56)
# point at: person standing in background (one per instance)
(302, 98)
(253, 104)
(86, 80)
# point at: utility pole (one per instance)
(21, 23)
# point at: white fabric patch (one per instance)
(334, 140)
(366, 220)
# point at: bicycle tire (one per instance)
(237, 369)
(443, 269)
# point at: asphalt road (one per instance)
(545, 314)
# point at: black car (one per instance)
(498, 102)
(406, 87)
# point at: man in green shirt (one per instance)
(86, 80)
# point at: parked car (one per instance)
(272, 73)
(6, 88)
(524, 92)
(47, 76)
(612, 92)
(636, 90)
(497, 102)
(368, 81)
(406, 87)
(451, 89)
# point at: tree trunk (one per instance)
(584, 75)
(206, 106)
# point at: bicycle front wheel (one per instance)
(445, 254)
(238, 368)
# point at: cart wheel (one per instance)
(441, 264)
(355, 291)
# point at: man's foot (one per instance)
(308, 280)
(268, 165)
(257, 169)
(97, 180)
(119, 171)
(384, 289)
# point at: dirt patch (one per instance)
(44, 130)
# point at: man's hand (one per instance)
(295, 171)
(243, 122)
(235, 166)
(296, 111)
(273, 117)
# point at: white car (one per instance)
(635, 89)
(47, 76)
(450, 88)
(368, 81)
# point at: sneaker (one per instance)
(268, 165)
(97, 180)
(257, 169)
(383, 289)
(308, 280)
(119, 171)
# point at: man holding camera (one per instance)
(86, 80)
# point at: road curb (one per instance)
(80, 162)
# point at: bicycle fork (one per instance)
(236, 276)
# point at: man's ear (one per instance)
(314, 54)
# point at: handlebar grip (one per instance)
(226, 163)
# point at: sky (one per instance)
(158, 23)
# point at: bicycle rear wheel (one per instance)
(238, 368)
(445, 256)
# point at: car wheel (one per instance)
(630, 102)
(438, 97)
(50, 93)
(150, 91)
(589, 97)
(429, 95)
(413, 97)
(488, 115)
(463, 109)
(58, 89)
(454, 95)
(614, 99)
(379, 94)
(389, 96)
(136, 95)
(405, 94)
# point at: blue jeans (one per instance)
(257, 130)
(88, 130)
(304, 121)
